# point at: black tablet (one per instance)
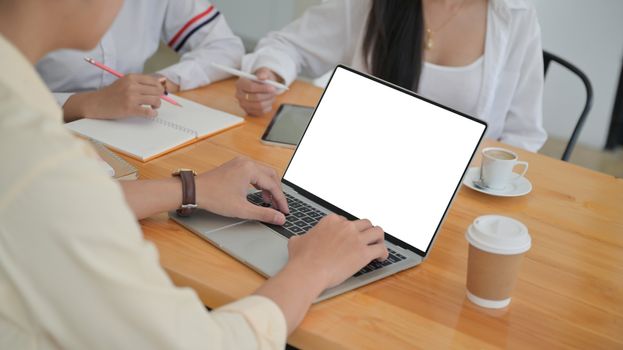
(288, 125)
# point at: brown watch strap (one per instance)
(189, 199)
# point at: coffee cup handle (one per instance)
(525, 170)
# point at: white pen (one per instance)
(249, 76)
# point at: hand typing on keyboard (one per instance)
(223, 191)
(303, 217)
(324, 257)
(338, 247)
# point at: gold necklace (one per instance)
(429, 43)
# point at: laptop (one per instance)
(371, 150)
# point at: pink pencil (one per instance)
(119, 75)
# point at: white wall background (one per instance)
(251, 20)
(588, 33)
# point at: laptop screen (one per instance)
(378, 152)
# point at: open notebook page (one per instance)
(146, 139)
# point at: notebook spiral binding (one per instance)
(177, 127)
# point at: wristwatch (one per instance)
(189, 199)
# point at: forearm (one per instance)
(293, 290)
(150, 197)
(76, 106)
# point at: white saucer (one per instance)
(519, 187)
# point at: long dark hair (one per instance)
(393, 45)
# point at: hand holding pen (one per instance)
(256, 96)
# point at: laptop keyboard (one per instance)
(303, 217)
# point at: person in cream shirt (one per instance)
(481, 57)
(75, 271)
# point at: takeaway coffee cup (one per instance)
(496, 247)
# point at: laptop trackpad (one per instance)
(255, 244)
(205, 222)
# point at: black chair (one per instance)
(547, 59)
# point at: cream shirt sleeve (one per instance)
(314, 43)
(523, 126)
(75, 255)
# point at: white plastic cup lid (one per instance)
(499, 235)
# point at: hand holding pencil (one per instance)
(120, 75)
(130, 95)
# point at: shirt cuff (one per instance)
(278, 62)
(186, 74)
(264, 317)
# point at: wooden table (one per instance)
(569, 293)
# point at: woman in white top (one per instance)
(75, 270)
(481, 57)
(193, 28)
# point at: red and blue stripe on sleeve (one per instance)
(192, 26)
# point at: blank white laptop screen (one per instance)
(379, 153)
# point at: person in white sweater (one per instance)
(195, 29)
(481, 57)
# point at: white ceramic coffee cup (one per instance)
(496, 248)
(496, 169)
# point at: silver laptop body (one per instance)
(263, 247)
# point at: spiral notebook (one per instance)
(145, 139)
